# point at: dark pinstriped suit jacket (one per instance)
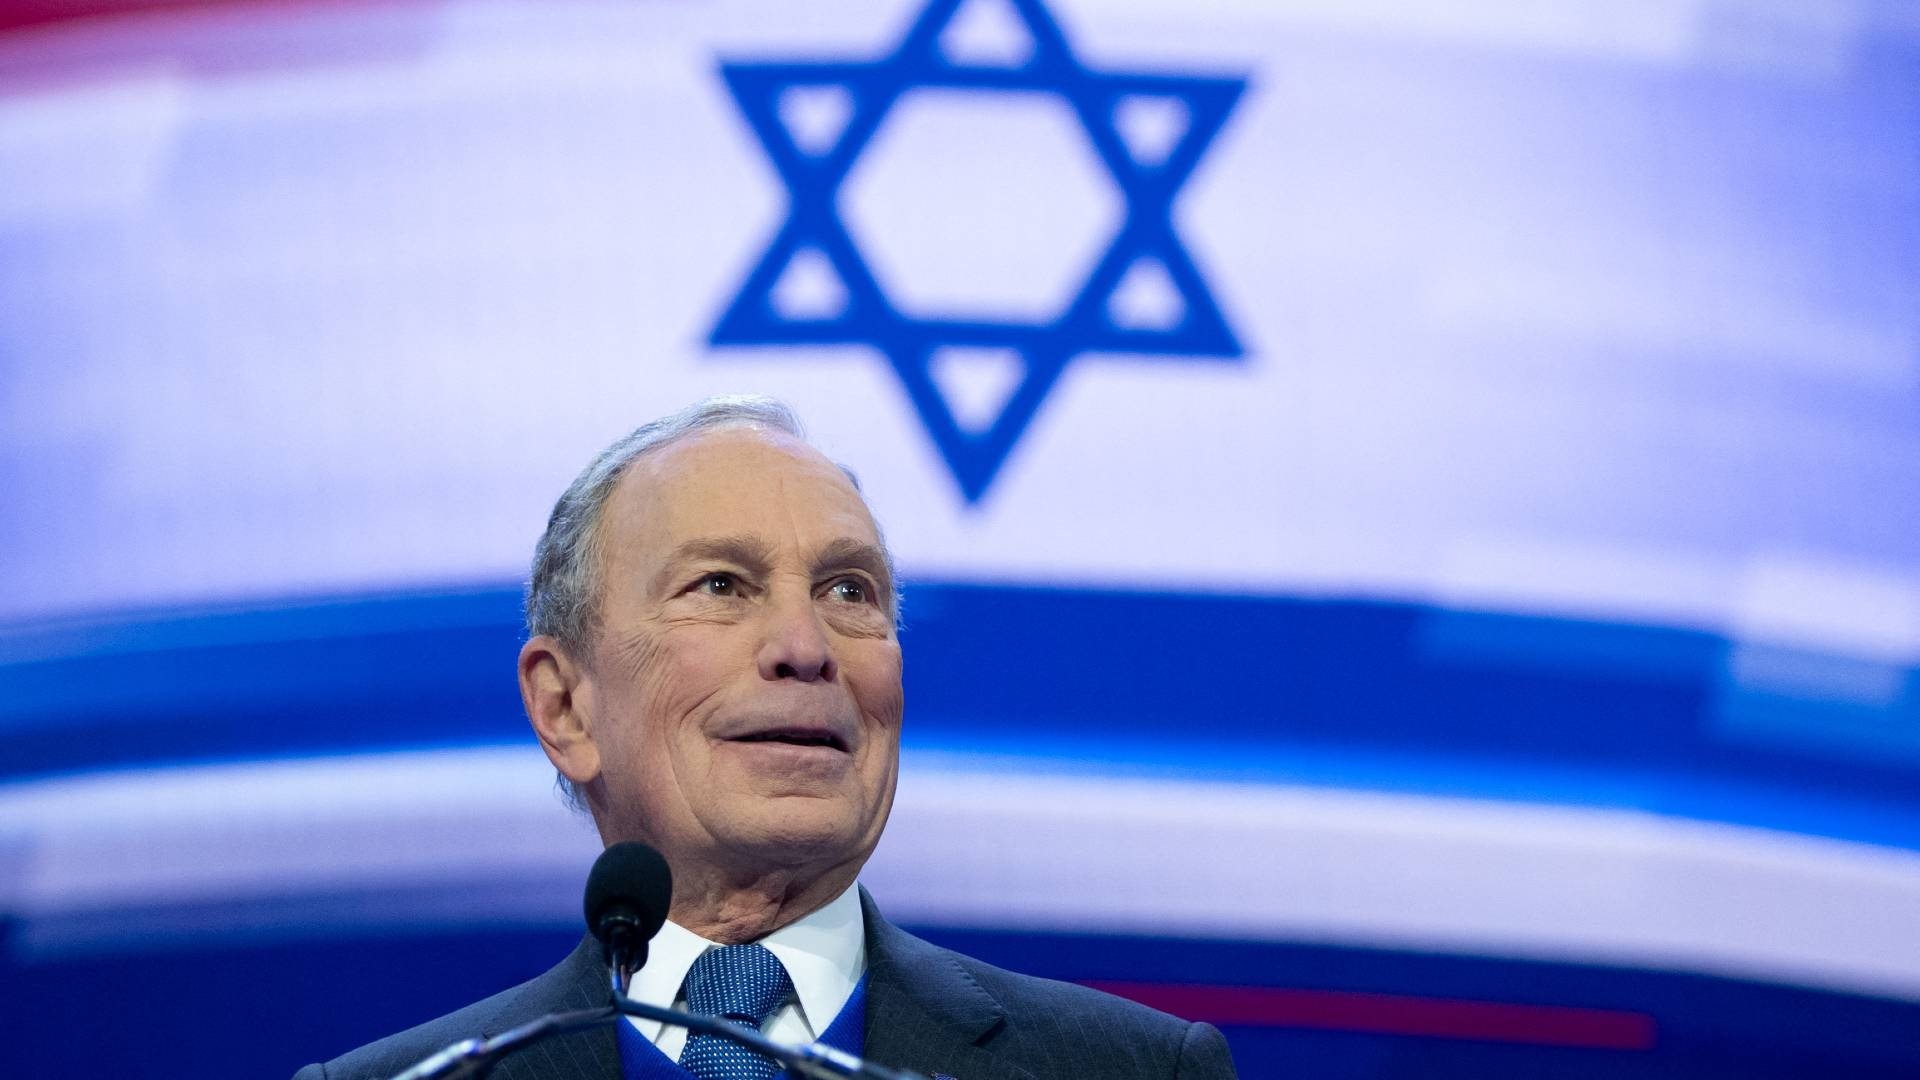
(929, 1010)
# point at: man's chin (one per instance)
(797, 831)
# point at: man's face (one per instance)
(744, 686)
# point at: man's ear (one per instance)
(559, 705)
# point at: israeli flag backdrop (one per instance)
(1410, 512)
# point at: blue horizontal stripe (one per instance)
(1346, 693)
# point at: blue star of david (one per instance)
(1087, 324)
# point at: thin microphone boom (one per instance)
(470, 1059)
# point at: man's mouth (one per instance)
(796, 737)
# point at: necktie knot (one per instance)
(744, 983)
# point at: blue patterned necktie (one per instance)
(745, 984)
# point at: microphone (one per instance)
(628, 893)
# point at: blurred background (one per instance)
(1408, 510)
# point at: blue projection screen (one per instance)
(1407, 511)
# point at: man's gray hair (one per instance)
(563, 592)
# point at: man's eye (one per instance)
(851, 591)
(719, 585)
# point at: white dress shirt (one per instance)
(824, 954)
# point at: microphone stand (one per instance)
(475, 1057)
(470, 1059)
(626, 901)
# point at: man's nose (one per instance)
(796, 645)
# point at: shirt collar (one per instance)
(825, 953)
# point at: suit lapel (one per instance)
(925, 1013)
(578, 982)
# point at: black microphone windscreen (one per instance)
(629, 878)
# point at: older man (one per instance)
(713, 668)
